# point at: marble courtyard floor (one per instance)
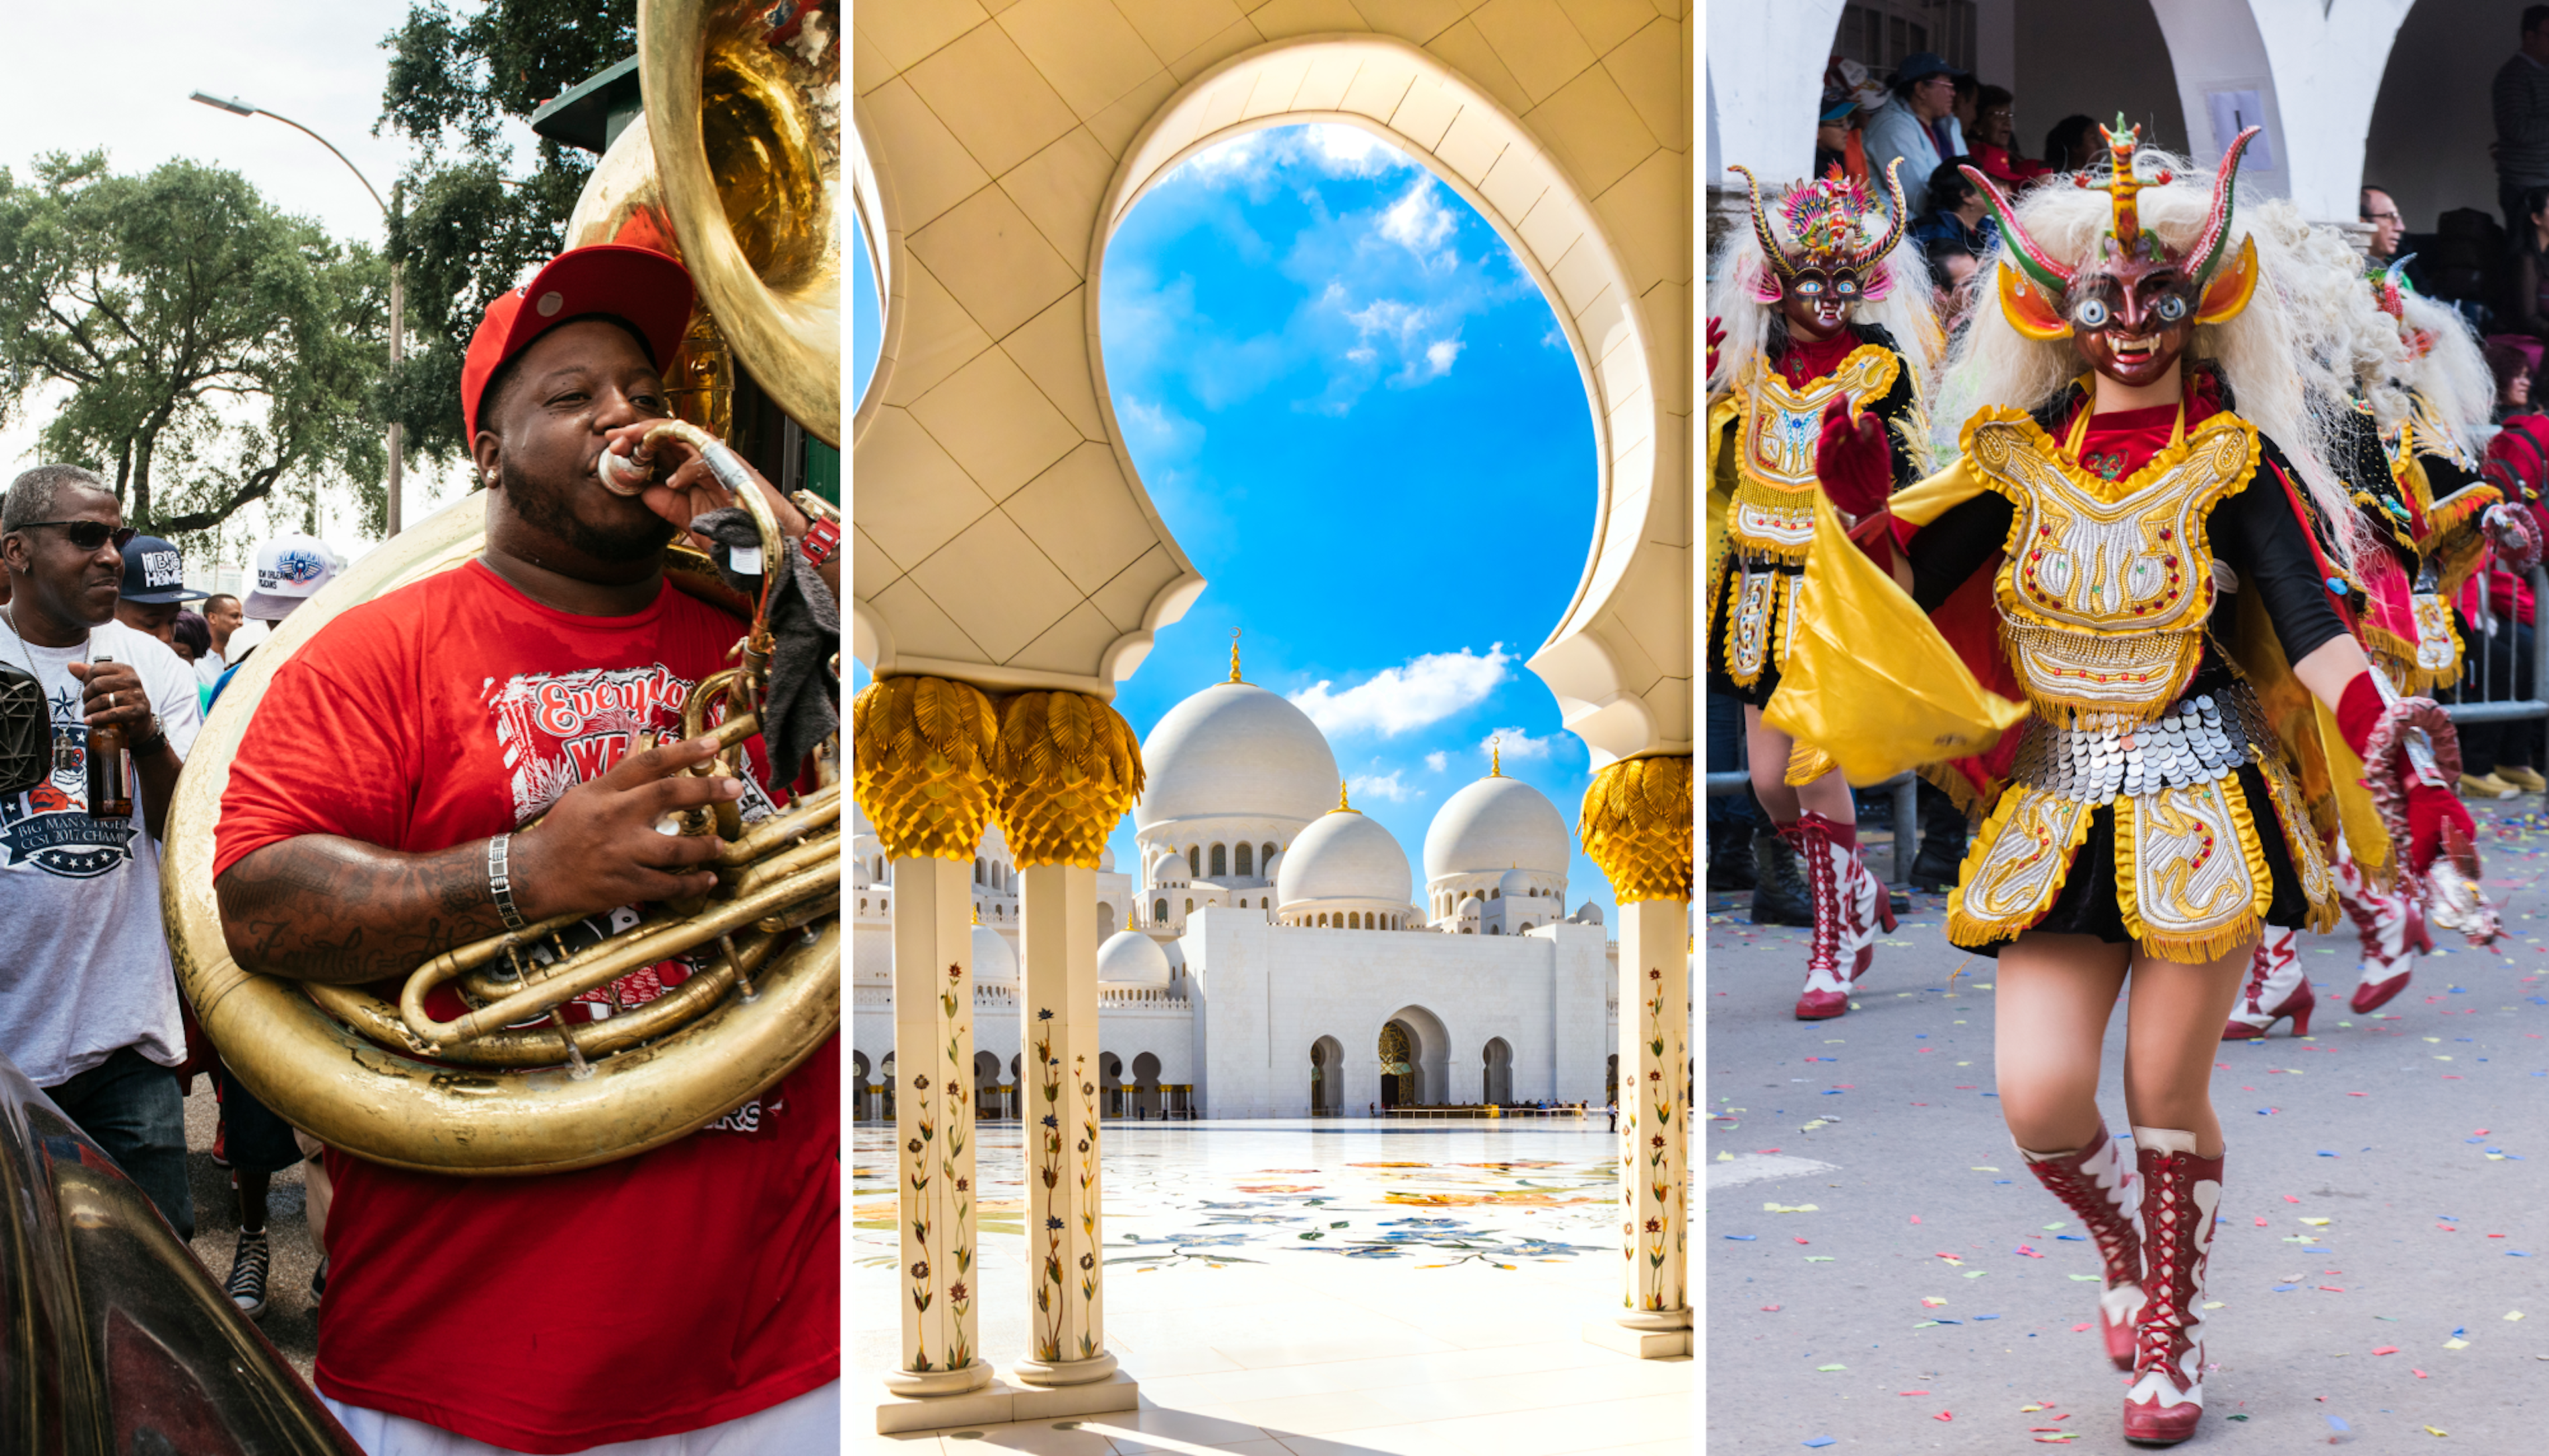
(1297, 1288)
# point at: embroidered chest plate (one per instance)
(1773, 513)
(2106, 586)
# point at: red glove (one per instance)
(1854, 460)
(1716, 337)
(2429, 806)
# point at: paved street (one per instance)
(1883, 1272)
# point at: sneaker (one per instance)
(246, 1286)
(2486, 786)
(319, 1282)
(2527, 779)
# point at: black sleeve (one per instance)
(2257, 533)
(1949, 550)
(1894, 409)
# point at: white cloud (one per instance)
(1418, 223)
(1437, 761)
(1381, 786)
(1514, 743)
(1438, 358)
(1397, 700)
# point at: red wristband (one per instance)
(821, 541)
(2359, 712)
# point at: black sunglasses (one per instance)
(87, 535)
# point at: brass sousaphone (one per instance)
(736, 167)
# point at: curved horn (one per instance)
(2395, 275)
(2206, 256)
(1895, 219)
(1770, 249)
(2049, 275)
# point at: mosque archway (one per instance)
(1146, 1085)
(1497, 1071)
(885, 1074)
(1110, 1086)
(1327, 1076)
(861, 1106)
(1106, 921)
(986, 1086)
(1415, 1055)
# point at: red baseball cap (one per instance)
(640, 285)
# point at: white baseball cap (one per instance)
(290, 570)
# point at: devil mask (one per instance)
(1826, 265)
(2132, 307)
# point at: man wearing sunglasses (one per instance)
(88, 1006)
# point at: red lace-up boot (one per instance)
(1830, 947)
(2276, 990)
(2393, 927)
(2094, 1184)
(2180, 1193)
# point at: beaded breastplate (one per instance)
(1773, 511)
(2106, 586)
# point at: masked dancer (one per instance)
(2124, 543)
(1822, 315)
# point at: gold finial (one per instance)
(1342, 806)
(1496, 756)
(1234, 653)
(978, 915)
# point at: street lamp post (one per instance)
(398, 290)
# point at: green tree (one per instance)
(466, 228)
(214, 351)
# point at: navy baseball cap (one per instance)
(1925, 65)
(155, 573)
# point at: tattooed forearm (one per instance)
(327, 909)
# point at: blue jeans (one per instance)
(130, 1105)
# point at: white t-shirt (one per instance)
(208, 668)
(84, 965)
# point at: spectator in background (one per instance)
(2531, 264)
(1952, 266)
(222, 614)
(2520, 101)
(1958, 123)
(2377, 208)
(2513, 370)
(190, 636)
(1837, 141)
(2071, 143)
(1995, 141)
(1959, 213)
(1925, 89)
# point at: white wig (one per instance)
(2452, 374)
(2255, 351)
(2345, 345)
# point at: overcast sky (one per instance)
(118, 77)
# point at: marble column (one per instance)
(1066, 769)
(922, 778)
(1058, 1028)
(1637, 826)
(933, 1035)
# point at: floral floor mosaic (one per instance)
(1185, 1192)
(1252, 1263)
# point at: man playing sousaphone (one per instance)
(369, 824)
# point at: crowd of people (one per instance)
(370, 803)
(2146, 528)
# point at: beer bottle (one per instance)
(109, 796)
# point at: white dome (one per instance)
(1344, 855)
(1132, 958)
(1493, 825)
(1471, 903)
(1235, 748)
(1106, 861)
(1588, 913)
(995, 963)
(1515, 883)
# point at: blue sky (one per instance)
(1357, 414)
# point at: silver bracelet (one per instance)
(500, 881)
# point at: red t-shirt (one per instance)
(648, 1297)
